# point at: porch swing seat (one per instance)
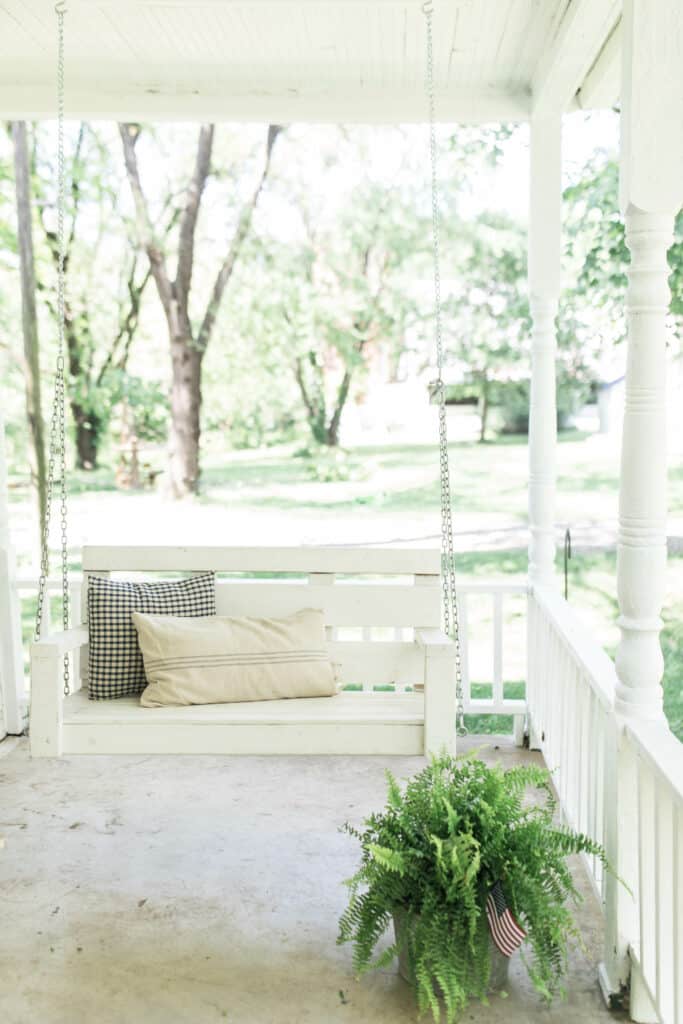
(382, 610)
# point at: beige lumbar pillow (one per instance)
(218, 660)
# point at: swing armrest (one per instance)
(434, 642)
(55, 645)
(47, 689)
(439, 690)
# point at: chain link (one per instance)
(450, 603)
(57, 448)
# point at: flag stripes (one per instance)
(506, 933)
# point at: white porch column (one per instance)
(12, 704)
(651, 183)
(545, 203)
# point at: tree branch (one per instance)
(299, 376)
(157, 260)
(188, 220)
(243, 224)
(127, 324)
(75, 186)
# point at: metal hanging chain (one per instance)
(57, 450)
(450, 603)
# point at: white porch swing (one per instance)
(421, 661)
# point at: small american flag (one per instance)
(505, 931)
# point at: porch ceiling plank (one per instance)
(601, 85)
(297, 60)
(568, 57)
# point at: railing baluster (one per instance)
(497, 690)
(592, 787)
(565, 761)
(464, 647)
(665, 926)
(582, 755)
(677, 904)
(599, 832)
(646, 870)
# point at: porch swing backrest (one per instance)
(373, 599)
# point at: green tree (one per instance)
(338, 297)
(597, 250)
(188, 339)
(102, 301)
(487, 312)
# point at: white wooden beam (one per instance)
(545, 204)
(138, 4)
(601, 86)
(187, 94)
(578, 39)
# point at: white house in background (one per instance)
(619, 770)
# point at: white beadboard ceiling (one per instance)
(309, 60)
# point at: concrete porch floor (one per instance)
(189, 890)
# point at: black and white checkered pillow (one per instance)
(115, 666)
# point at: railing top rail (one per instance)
(661, 750)
(495, 585)
(31, 582)
(597, 663)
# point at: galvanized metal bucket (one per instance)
(499, 963)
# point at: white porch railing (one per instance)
(656, 945)
(621, 782)
(497, 613)
(571, 696)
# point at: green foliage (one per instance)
(512, 398)
(593, 307)
(327, 465)
(488, 311)
(431, 857)
(146, 402)
(337, 296)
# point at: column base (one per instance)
(615, 997)
(638, 702)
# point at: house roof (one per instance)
(309, 60)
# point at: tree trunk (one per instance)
(88, 426)
(88, 435)
(332, 437)
(483, 409)
(29, 315)
(186, 401)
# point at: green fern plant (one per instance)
(431, 857)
